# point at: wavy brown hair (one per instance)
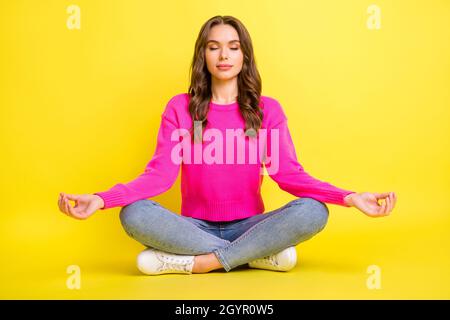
(249, 80)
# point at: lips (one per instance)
(224, 67)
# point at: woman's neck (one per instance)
(224, 91)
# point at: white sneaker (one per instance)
(154, 262)
(282, 261)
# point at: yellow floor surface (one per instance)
(413, 262)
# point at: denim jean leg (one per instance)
(154, 226)
(294, 223)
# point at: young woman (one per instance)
(222, 222)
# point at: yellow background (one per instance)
(368, 111)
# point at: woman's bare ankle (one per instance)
(205, 263)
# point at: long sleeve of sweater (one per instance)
(159, 174)
(290, 175)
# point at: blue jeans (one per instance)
(234, 243)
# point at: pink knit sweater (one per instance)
(221, 179)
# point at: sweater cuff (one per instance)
(111, 198)
(344, 195)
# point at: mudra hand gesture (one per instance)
(86, 205)
(367, 202)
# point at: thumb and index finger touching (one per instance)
(67, 207)
(71, 196)
(383, 194)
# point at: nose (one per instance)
(223, 55)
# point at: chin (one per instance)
(225, 77)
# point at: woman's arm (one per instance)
(159, 174)
(290, 175)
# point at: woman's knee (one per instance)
(131, 214)
(316, 212)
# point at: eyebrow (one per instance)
(219, 42)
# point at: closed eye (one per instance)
(216, 48)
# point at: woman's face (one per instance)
(223, 47)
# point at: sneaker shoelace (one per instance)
(269, 260)
(174, 264)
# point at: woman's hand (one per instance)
(85, 205)
(368, 203)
